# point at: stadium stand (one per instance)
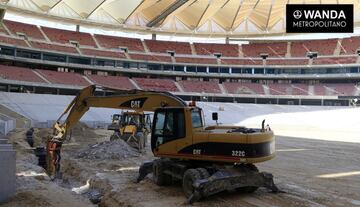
(228, 50)
(29, 30)
(200, 86)
(243, 88)
(280, 88)
(156, 84)
(102, 53)
(151, 57)
(113, 42)
(300, 89)
(65, 36)
(319, 89)
(249, 61)
(165, 46)
(335, 60)
(196, 60)
(287, 61)
(323, 47)
(13, 41)
(19, 74)
(350, 45)
(342, 88)
(119, 82)
(277, 49)
(53, 47)
(63, 78)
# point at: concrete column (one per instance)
(7, 171)
(78, 28)
(153, 36)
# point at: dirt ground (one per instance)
(311, 172)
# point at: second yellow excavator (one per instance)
(206, 159)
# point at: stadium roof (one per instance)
(233, 18)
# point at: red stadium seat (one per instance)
(64, 78)
(164, 46)
(18, 73)
(323, 47)
(113, 42)
(13, 41)
(228, 50)
(29, 30)
(350, 45)
(196, 60)
(53, 47)
(157, 58)
(156, 84)
(243, 88)
(102, 53)
(119, 82)
(248, 61)
(272, 49)
(200, 86)
(65, 36)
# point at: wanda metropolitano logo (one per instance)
(320, 18)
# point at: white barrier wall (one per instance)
(6, 124)
(7, 171)
(316, 122)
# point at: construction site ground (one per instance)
(311, 172)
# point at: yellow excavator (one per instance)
(131, 126)
(207, 160)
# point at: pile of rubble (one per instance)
(116, 149)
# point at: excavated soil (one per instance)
(311, 172)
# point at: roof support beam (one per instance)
(167, 12)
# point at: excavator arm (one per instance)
(134, 100)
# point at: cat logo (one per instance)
(135, 104)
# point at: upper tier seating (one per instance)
(64, 78)
(64, 36)
(200, 86)
(164, 46)
(335, 60)
(102, 53)
(29, 30)
(13, 41)
(229, 50)
(241, 61)
(156, 84)
(350, 45)
(243, 88)
(277, 49)
(323, 47)
(287, 61)
(116, 42)
(19, 73)
(53, 47)
(157, 58)
(119, 82)
(196, 60)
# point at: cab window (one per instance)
(196, 118)
(169, 125)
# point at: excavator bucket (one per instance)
(224, 180)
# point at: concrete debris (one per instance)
(117, 149)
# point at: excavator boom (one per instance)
(133, 100)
